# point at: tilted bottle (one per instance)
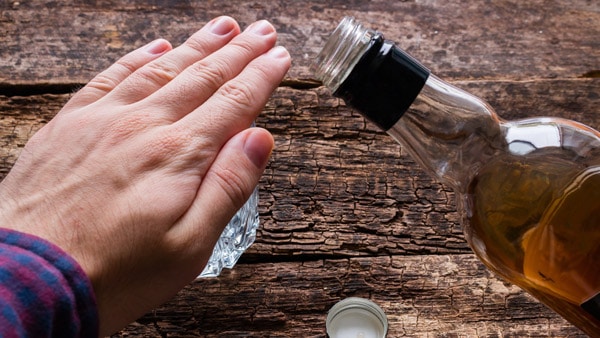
(528, 191)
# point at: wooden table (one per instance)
(344, 212)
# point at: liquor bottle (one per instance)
(528, 191)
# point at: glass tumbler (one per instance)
(237, 236)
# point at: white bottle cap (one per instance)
(356, 318)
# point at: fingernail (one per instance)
(158, 46)
(222, 25)
(258, 147)
(261, 27)
(278, 52)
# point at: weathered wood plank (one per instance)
(20, 118)
(336, 186)
(57, 43)
(424, 296)
(343, 212)
(343, 188)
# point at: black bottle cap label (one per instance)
(592, 306)
(384, 83)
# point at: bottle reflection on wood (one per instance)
(528, 191)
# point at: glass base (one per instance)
(237, 236)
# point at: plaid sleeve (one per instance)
(43, 291)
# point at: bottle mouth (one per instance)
(341, 52)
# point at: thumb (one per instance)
(228, 183)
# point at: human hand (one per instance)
(138, 174)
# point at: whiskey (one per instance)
(528, 191)
(535, 220)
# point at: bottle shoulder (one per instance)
(530, 135)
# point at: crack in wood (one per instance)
(300, 83)
(12, 90)
(592, 74)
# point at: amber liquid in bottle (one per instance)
(539, 217)
(528, 191)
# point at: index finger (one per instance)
(237, 103)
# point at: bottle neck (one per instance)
(371, 74)
(446, 130)
(342, 51)
(449, 132)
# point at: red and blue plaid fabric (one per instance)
(43, 291)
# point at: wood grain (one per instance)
(344, 211)
(339, 193)
(433, 295)
(55, 43)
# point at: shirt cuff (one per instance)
(43, 291)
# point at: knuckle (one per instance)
(159, 72)
(245, 48)
(126, 65)
(264, 72)
(212, 74)
(102, 82)
(105, 82)
(199, 45)
(239, 93)
(233, 184)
